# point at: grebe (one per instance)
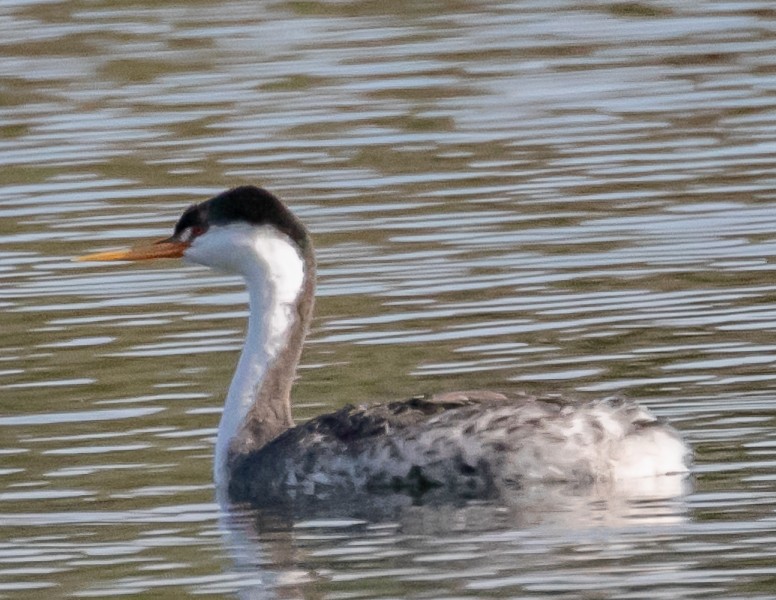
(472, 444)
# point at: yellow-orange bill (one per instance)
(163, 249)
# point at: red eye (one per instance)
(189, 233)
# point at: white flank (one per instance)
(274, 273)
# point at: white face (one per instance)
(220, 247)
(260, 254)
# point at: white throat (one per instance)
(274, 273)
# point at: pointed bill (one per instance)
(160, 249)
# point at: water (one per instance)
(565, 195)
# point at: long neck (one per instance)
(258, 404)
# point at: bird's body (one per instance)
(476, 444)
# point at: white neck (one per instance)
(274, 273)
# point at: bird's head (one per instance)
(231, 232)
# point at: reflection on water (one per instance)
(658, 500)
(502, 194)
(422, 547)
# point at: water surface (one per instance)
(510, 195)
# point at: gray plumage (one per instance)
(455, 446)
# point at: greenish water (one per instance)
(510, 195)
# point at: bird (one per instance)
(459, 445)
